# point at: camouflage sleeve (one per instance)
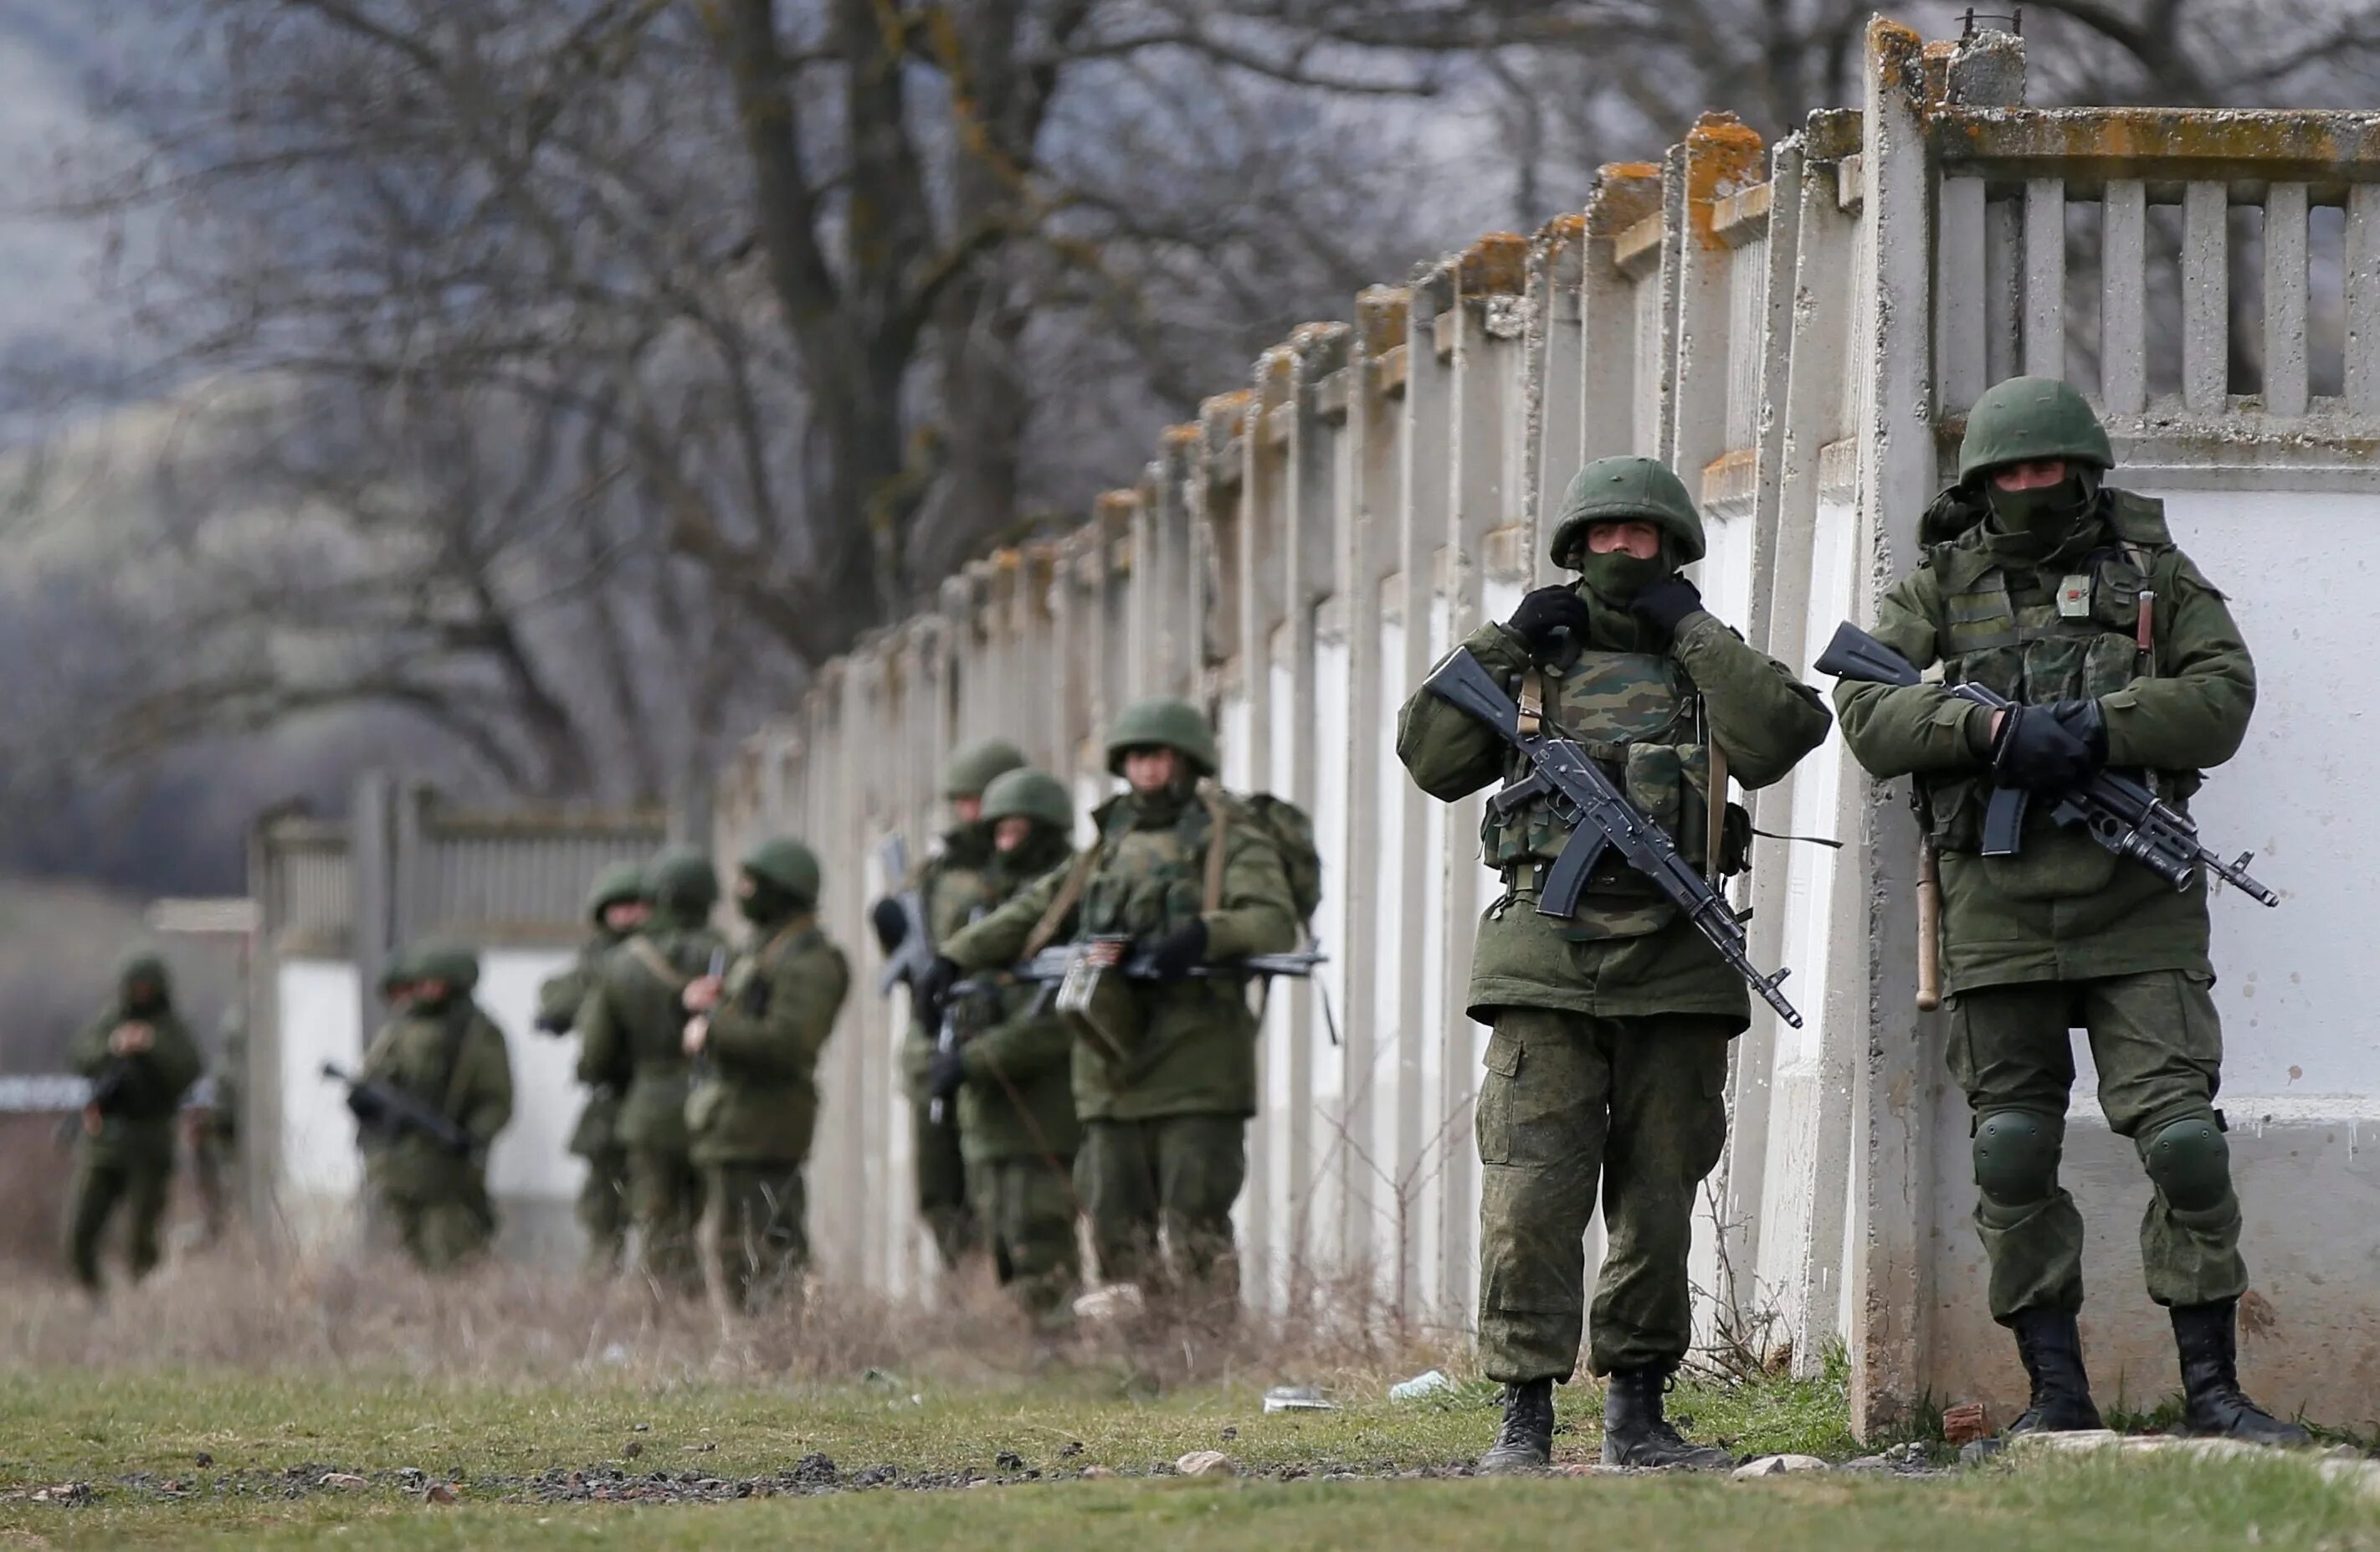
(1896, 729)
(1761, 715)
(999, 938)
(602, 1049)
(805, 992)
(87, 1052)
(1448, 754)
(558, 997)
(1023, 1048)
(488, 1090)
(2194, 714)
(1256, 915)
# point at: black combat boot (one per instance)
(2050, 1346)
(2212, 1400)
(1526, 1442)
(1634, 1432)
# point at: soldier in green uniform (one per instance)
(1013, 1083)
(757, 1035)
(1164, 1150)
(210, 1124)
(140, 1060)
(2036, 582)
(631, 1040)
(1610, 1054)
(442, 1050)
(951, 884)
(617, 907)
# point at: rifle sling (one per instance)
(1069, 895)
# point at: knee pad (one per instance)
(2016, 1156)
(2190, 1161)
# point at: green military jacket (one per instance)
(1760, 716)
(453, 1060)
(632, 1030)
(559, 998)
(758, 1099)
(1018, 1101)
(954, 890)
(1198, 1054)
(2063, 907)
(138, 1126)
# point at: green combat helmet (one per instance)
(1163, 722)
(972, 766)
(616, 885)
(2026, 419)
(396, 973)
(684, 882)
(789, 865)
(1030, 794)
(1627, 490)
(449, 962)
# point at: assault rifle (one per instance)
(1601, 820)
(914, 955)
(388, 1112)
(2120, 814)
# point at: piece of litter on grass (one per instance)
(1296, 1398)
(1964, 1424)
(1115, 1301)
(1206, 1462)
(1421, 1385)
(341, 1479)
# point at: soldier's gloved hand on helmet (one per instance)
(2033, 749)
(947, 1073)
(1545, 611)
(1179, 952)
(1665, 603)
(891, 924)
(933, 989)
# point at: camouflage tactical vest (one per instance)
(1641, 718)
(2066, 632)
(1149, 879)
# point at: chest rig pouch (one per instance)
(1639, 715)
(1148, 880)
(2068, 631)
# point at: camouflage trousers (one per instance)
(602, 1208)
(754, 1240)
(2158, 1045)
(1568, 1100)
(1026, 1208)
(142, 1187)
(1160, 1195)
(942, 1185)
(438, 1234)
(665, 1200)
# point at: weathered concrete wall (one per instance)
(1799, 328)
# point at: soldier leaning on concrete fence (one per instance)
(1165, 1124)
(617, 907)
(758, 1033)
(140, 1060)
(951, 884)
(2035, 583)
(1609, 1055)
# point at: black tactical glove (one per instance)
(891, 923)
(947, 1073)
(1665, 603)
(553, 1023)
(2086, 722)
(933, 989)
(2035, 750)
(1545, 611)
(1179, 952)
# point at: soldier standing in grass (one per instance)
(755, 1036)
(140, 1060)
(1189, 872)
(1011, 1082)
(444, 1051)
(2068, 595)
(952, 889)
(1611, 1027)
(617, 907)
(632, 1040)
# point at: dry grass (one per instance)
(233, 1309)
